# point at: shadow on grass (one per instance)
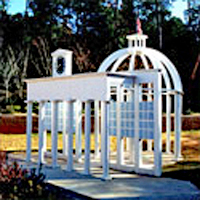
(184, 170)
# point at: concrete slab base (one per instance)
(123, 186)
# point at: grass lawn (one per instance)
(17, 142)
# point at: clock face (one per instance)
(60, 65)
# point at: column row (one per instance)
(68, 131)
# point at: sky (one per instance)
(177, 10)
(16, 6)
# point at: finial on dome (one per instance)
(138, 39)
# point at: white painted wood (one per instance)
(168, 123)
(64, 132)
(137, 39)
(136, 124)
(96, 129)
(87, 137)
(177, 125)
(54, 133)
(120, 141)
(79, 87)
(83, 87)
(45, 140)
(118, 63)
(157, 125)
(67, 55)
(149, 53)
(105, 140)
(102, 145)
(78, 130)
(149, 145)
(132, 62)
(28, 130)
(132, 150)
(41, 132)
(149, 98)
(131, 140)
(70, 113)
(128, 144)
(128, 139)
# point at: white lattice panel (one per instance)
(146, 119)
(60, 117)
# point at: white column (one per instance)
(41, 132)
(105, 139)
(45, 140)
(149, 98)
(120, 141)
(28, 130)
(87, 136)
(131, 140)
(65, 134)
(149, 145)
(168, 123)
(70, 135)
(54, 133)
(128, 144)
(177, 125)
(78, 130)
(137, 141)
(96, 128)
(158, 126)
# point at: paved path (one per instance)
(123, 186)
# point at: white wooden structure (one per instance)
(128, 103)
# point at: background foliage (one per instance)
(93, 30)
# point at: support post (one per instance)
(65, 133)
(28, 131)
(42, 137)
(87, 137)
(131, 140)
(105, 139)
(149, 145)
(178, 112)
(96, 129)
(149, 142)
(120, 141)
(168, 123)
(54, 133)
(158, 125)
(78, 130)
(137, 141)
(45, 140)
(70, 135)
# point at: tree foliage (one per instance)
(92, 30)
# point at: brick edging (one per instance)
(16, 124)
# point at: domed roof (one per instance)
(149, 58)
